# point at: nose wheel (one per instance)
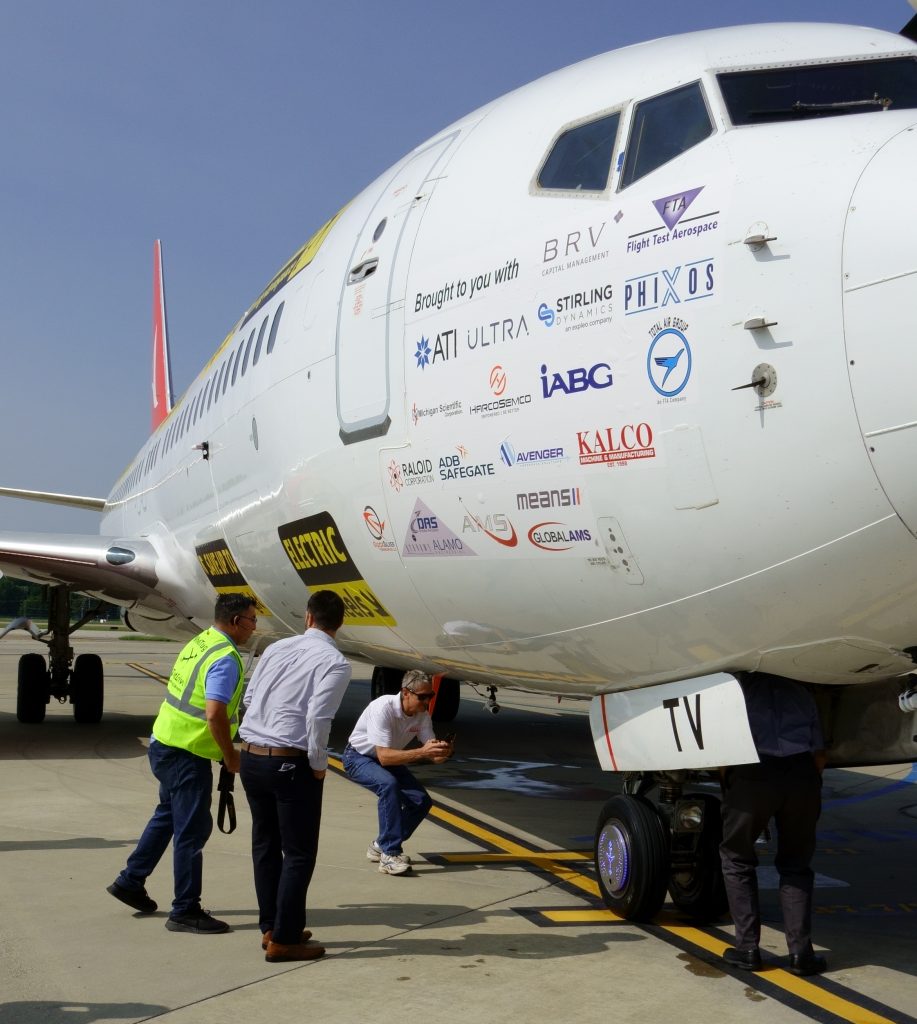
(631, 857)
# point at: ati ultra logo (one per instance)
(444, 348)
(669, 361)
(553, 536)
(661, 288)
(615, 444)
(530, 457)
(570, 382)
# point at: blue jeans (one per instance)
(286, 804)
(183, 818)
(403, 802)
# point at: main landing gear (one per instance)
(642, 849)
(39, 681)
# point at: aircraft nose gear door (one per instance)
(880, 279)
(371, 311)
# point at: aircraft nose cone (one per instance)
(880, 284)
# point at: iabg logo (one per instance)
(497, 380)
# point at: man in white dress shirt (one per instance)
(376, 758)
(290, 703)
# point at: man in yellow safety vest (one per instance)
(195, 726)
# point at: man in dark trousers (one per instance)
(784, 785)
(290, 703)
(195, 727)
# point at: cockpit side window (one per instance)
(580, 159)
(769, 95)
(662, 128)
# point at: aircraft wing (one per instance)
(114, 569)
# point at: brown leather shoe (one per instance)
(268, 936)
(278, 953)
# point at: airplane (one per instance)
(605, 391)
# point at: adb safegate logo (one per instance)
(669, 362)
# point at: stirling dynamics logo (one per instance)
(546, 315)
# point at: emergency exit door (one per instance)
(371, 310)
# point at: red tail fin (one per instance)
(162, 368)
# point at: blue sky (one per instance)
(231, 131)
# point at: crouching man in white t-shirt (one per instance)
(375, 757)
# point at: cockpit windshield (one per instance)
(819, 90)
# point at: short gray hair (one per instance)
(413, 679)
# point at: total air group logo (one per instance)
(668, 359)
(375, 526)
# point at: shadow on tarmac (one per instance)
(54, 1012)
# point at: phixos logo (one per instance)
(669, 361)
(546, 315)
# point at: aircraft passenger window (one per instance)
(226, 366)
(248, 349)
(580, 159)
(663, 128)
(820, 90)
(257, 354)
(235, 365)
(209, 392)
(274, 325)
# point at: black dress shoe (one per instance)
(805, 964)
(136, 899)
(744, 959)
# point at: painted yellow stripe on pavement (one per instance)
(490, 858)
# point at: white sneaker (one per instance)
(393, 865)
(374, 852)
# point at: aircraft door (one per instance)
(880, 275)
(371, 309)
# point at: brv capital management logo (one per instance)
(669, 362)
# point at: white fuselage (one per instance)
(513, 442)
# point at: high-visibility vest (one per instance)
(182, 719)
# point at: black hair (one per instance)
(228, 606)
(327, 609)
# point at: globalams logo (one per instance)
(555, 536)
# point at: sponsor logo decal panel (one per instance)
(224, 574)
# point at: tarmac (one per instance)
(497, 922)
